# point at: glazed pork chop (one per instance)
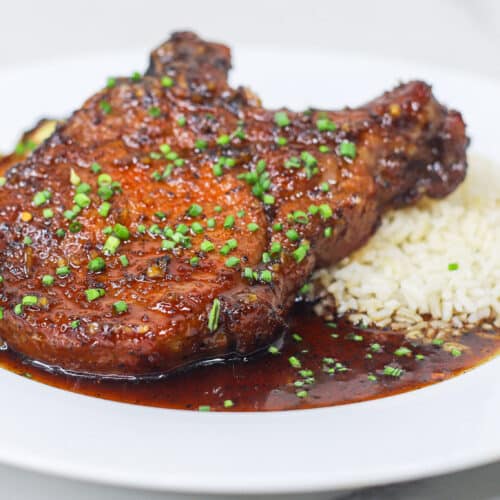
(173, 219)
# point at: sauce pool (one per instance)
(317, 364)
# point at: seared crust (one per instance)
(407, 145)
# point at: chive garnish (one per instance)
(213, 316)
(281, 119)
(348, 149)
(120, 307)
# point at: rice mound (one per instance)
(436, 264)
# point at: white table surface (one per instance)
(456, 33)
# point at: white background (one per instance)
(461, 34)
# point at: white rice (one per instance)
(402, 276)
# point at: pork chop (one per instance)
(173, 219)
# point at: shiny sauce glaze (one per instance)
(316, 364)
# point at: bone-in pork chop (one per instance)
(173, 219)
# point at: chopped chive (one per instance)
(455, 352)
(63, 271)
(292, 162)
(453, 266)
(197, 228)
(195, 210)
(154, 111)
(182, 228)
(273, 350)
(120, 307)
(110, 82)
(228, 403)
(94, 293)
(167, 245)
(48, 213)
(325, 211)
(248, 273)
(167, 82)
(82, 200)
(268, 199)
(104, 179)
(281, 119)
(121, 231)
(181, 121)
(207, 246)
(95, 167)
(325, 125)
(29, 300)
(213, 316)
(348, 149)
(111, 245)
(300, 217)
(204, 408)
(252, 227)
(105, 192)
(165, 148)
(392, 371)
(232, 243)
(354, 336)
(200, 144)
(402, 351)
(97, 264)
(105, 107)
(123, 260)
(156, 176)
(217, 169)
(41, 197)
(229, 222)
(223, 140)
(275, 247)
(294, 362)
(266, 276)
(104, 209)
(232, 261)
(292, 235)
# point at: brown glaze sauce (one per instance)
(266, 381)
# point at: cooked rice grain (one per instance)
(407, 273)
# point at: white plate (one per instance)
(439, 429)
